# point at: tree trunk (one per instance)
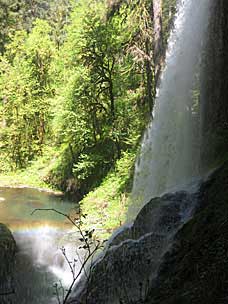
(149, 78)
(158, 35)
(112, 100)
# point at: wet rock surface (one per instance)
(7, 262)
(162, 215)
(151, 269)
(214, 88)
(132, 258)
(196, 269)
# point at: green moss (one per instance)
(106, 206)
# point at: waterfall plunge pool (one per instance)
(39, 260)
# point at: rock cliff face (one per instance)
(126, 270)
(145, 267)
(7, 260)
(196, 269)
(214, 90)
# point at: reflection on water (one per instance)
(16, 206)
(39, 237)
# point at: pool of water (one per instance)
(39, 236)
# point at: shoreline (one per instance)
(18, 182)
(41, 189)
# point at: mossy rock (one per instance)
(7, 256)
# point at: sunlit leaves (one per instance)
(25, 88)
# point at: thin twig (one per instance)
(78, 226)
(86, 238)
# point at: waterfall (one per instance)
(169, 162)
(169, 157)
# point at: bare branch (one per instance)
(89, 245)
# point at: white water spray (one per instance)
(169, 157)
(40, 264)
(41, 239)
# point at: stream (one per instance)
(40, 263)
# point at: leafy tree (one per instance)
(58, 19)
(26, 87)
(21, 14)
(82, 82)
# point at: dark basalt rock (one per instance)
(161, 214)
(214, 88)
(124, 272)
(196, 269)
(193, 268)
(7, 261)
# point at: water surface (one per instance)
(39, 237)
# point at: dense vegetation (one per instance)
(77, 86)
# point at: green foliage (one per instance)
(106, 206)
(99, 108)
(77, 86)
(25, 88)
(168, 11)
(21, 14)
(58, 19)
